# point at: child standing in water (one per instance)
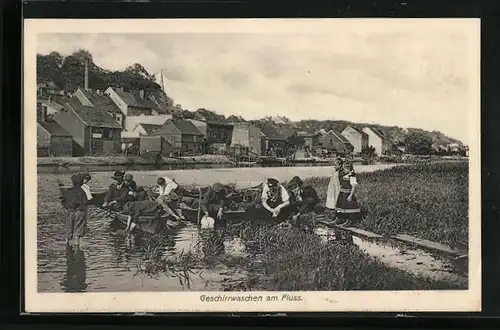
(76, 204)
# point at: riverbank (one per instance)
(135, 163)
(429, 201)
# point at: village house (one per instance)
(357, 138)
(136, 107)
(335, 142)
(50, 106)
(52, 140)
(273, 140)
(184, 137)
(311, 140)
(94, 132)
(378, 140)
(154, 145)
(246, 140)
(218, 135)
(100, 101)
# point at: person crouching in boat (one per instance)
(303, 200)
(273, 199)
(129, 180)
(141, 194)
(75, 202)
(118, 192)
(213, 203)
(170, 204)
(141, 208)
(348, 210)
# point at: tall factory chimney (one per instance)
(86, 74)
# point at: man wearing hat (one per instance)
(303, 199)
(213, 203)
(75, 201)
(118, 192)
(273, 199)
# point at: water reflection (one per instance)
(76, 270)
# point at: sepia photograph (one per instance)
(252, 165)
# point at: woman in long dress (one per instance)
(348, 210)
(334, 185)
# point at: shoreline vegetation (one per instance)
(396, 200)
(429, 201)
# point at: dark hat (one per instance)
(118, 175)
(129, 176)
(296, 181)
(217, 187)
(271, 182)
(77, 179)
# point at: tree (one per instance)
(368, 152)
(418, 143)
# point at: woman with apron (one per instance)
(348, 210)
(334, 185)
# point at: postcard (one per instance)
(252, 165)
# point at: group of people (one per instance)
(275, 204)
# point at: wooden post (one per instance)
(198, 221)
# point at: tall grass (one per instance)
(429, 201)
(287, 259)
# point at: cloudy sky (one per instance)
(409, 79)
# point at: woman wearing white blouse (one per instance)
(347, 205)
(334, 185)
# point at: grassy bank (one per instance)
(429, 201)
(286, 259)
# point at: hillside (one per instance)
(67, 73)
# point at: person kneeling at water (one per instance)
(170, 204)
(303, 199)
(141, 208)
(273, 199)
(118, 192)
(213, 204)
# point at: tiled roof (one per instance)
(150, 128)
(338, 135)
(134, 99)
(186, 127)
(271, 133)
(92, 116)
(53, 128)
(103, 102)
(52, 104)
(360, 131)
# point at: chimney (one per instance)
(86, 75)
(141, 92)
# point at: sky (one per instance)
(409, 79)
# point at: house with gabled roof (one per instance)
(51, 138)
(272, 139)
(100, 101)
(378, 140)
(183, 135)
(334, 141)
(356, 137)
(95, 132)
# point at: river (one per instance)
(106, 263)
